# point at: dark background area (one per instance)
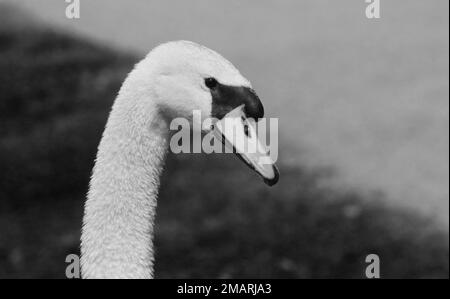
(215, 218)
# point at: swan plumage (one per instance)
(120, 208)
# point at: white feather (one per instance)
(119, 215)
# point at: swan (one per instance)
(174, 79)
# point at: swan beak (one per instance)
(238, 134)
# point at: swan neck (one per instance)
(117, 237)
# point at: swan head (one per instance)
(182, 77)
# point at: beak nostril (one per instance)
(246, 130)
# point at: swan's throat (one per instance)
(120, 209)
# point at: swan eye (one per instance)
(211, 82)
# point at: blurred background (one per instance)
(363, 108)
